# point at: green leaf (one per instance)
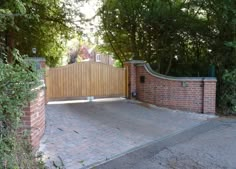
(20, 6)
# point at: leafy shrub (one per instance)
(16, 83)
(118, 64)
(228, 94)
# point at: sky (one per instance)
(89, 9)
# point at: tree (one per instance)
(39, 24)
(155, 31)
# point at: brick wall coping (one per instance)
(136, 61)
(41, 86)
(161, 76)
(37, 58)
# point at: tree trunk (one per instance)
(169, 65)
(116, 53)
(133, 43)
(10, 45)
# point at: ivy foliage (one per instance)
(16, 83)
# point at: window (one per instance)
(98, 58)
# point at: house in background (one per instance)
(90, 54)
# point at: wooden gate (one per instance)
(85, 79)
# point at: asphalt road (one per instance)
(211, 145)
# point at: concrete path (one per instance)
(209, 146)
(83, 135)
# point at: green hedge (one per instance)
(228, 94)
(16, 83)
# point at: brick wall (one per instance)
(34, 118)
(190, 94)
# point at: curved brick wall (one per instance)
(190, 94)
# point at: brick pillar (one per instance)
(209, 96)
(41, 64)
(132, 79)
(34, 118)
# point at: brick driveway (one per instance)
(83, 135)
